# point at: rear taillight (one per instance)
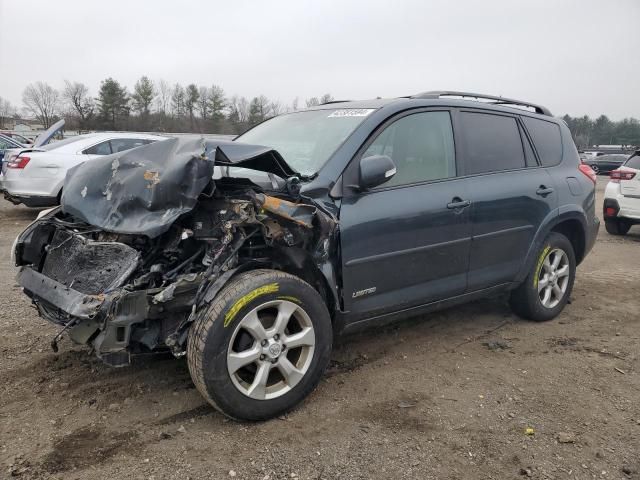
(18, 162)
(586, 169)
(617, 175)
(610, 212)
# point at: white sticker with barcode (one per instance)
(351, 112)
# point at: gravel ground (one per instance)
(470, 392)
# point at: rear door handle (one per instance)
(544, 191)
(457, 203)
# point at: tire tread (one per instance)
(213, 313)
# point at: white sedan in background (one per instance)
(621, 207)
(35, 176)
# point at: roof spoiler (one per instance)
(479, 96)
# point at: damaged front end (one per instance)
(145, 240)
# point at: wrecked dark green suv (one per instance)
(248, 256)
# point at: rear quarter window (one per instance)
(546, 139)
(124, 144)
(633, 162)
(102, 148)
(492, 143)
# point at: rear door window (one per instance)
(547, 140)
(421, 146)
(103, 148)
(492, 143)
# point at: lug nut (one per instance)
(262, 357)
(264, 343)
(283, 347)
(276, 336)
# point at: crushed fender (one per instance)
(145, 240)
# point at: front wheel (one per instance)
(261, 346)
(546, 290)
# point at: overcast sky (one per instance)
(574, 56)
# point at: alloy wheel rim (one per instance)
(271, 350)
(553, 278)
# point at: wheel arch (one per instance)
(574, 230)
(299, 262)
(294, 261)
(570, 223)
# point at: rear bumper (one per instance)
(629, 208)
(624, 206)
(32, 192)
(33, 202)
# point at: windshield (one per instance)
(307, 139)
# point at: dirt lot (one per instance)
(446, 396)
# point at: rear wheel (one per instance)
(595, 169)
(617, 226)
(262, 345)
(546, 290)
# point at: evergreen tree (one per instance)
(217, 103)
(143, 94)
(113, 103)
(191, 98)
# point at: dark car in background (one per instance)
(7, 143)
(606, 163)
(17, 137)
(374, 211)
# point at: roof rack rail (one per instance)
(335, 101)
(495, 100)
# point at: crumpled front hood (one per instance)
(255, 157)
(144, 190)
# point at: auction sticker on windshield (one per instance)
(352, 112)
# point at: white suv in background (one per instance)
(621, 207)
(35, 176)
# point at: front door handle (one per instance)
(457, 203)
(544, 191)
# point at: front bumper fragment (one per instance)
(76, 304)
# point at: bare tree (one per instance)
(177, 100)
(238, 108)
(164, 96)
(294, 104)
(76, 94)
(326, 98)
(276, 108)
(6, 110)
(203, 103)
(41, 99)
(312, 102)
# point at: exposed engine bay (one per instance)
(124, 293)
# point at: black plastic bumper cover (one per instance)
(71, 301)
